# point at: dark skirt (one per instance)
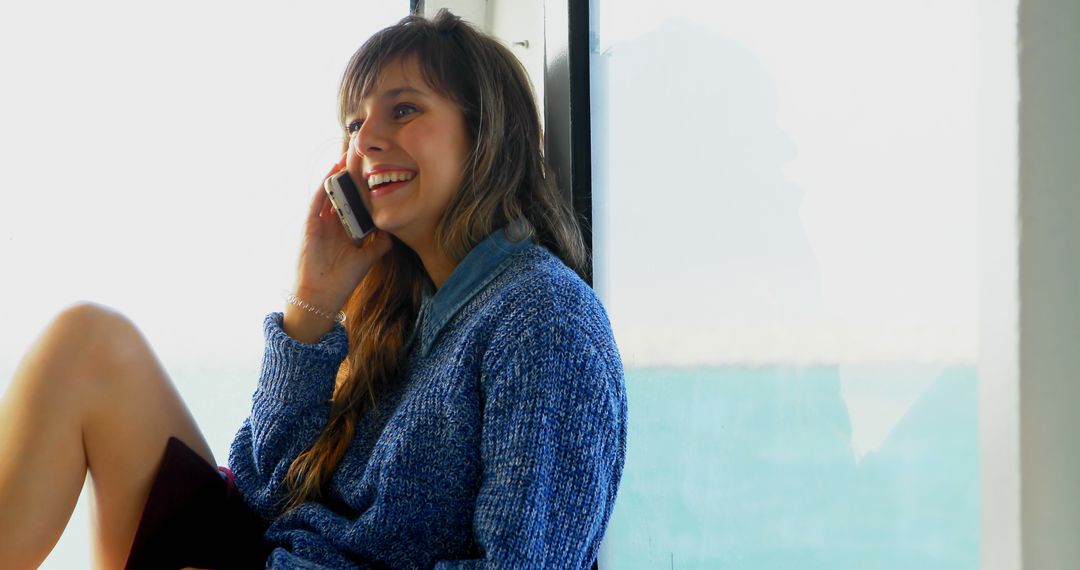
(195, 516)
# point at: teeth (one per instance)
(384, 177)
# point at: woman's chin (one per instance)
(400, 231)
(387, 226)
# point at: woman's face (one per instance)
(408, 144)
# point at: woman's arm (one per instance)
(553, 443)
(289, 410)
(303, 353)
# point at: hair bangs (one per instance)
(413, 37)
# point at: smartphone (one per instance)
(345, 197)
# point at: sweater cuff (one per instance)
(294, 371)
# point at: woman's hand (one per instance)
(330, 267)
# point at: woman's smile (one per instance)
(384, 179)
(387, 188)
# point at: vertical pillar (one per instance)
(1049, 285)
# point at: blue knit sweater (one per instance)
(502, 447)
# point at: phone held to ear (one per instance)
(345, 197)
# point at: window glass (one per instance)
(785, 238)
(160, 158)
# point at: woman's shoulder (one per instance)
(538, 290)
(535, 274)
(544, 318)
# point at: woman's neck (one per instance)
(437, 266)
(438, 269)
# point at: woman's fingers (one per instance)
(380, 244)
(320, 205)
(327, 207)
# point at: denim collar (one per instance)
(480, 266)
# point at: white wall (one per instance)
(999, 415)
(473, 11)
(1050, 282)
(518, 23)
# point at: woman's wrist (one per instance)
(329, 299)
(318, 310)
(304, 326)
(309, 316)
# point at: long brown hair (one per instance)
(506, 179)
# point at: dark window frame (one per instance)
(567, 118)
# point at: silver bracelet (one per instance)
(292, 299)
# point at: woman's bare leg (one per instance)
(90, 395)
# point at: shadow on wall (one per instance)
(698, 206)
(749, 468)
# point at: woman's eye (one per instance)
(353, 127)
(404, 110)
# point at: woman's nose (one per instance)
(370, 138)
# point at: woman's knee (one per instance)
(93, 323)
(72, 363)
(85, 316)
(91, 338)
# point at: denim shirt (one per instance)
(487, 260)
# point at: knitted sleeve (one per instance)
(288, 411)
(553, 439)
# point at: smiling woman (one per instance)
(469, 410)
(409, 144)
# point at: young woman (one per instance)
(469, 411)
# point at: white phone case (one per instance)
(345, 197)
